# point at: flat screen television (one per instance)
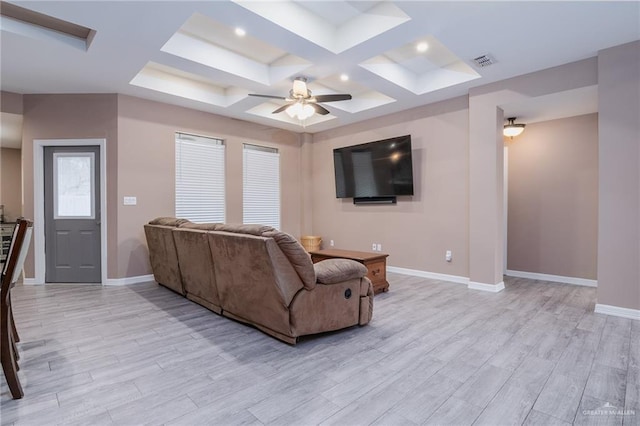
(374, 170)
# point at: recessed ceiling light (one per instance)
(240, 32)
(344, 77)
(422, 46)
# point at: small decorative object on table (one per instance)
(311, 242)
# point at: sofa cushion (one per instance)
(196, 266)
(244, 229)
(163, 256)
(333, 271)
(200, 226)
(297, 255)
(168, 221)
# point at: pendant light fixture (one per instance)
(512, 129)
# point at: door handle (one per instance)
(98, 222)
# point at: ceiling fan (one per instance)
(301, 103)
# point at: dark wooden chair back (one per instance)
(17, 254)
(10, 273)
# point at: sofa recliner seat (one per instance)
(260, 276)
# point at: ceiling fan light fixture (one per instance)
(300, 104)
(300, 111)
(300, 87)
(422, 46)
(512, 129)
(306, 112)
(293, 109)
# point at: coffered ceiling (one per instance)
(391, 56)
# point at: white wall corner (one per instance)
(130, 280)
(493, 288)
(617, 311)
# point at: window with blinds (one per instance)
(199, 178)
(261, 185)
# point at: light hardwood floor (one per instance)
(434, 353)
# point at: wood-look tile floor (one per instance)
(434, 353)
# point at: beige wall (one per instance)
(71, 117)
(11, 163)
(553, 198)
(141, 161)
(418, 230)
(619, 181)
(486, 197)
(11, 102)
(11, 183)
(146, 170)
(307, 187)
(486, 118)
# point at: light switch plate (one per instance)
(130, 201)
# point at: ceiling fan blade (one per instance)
(267, 96)
(319, 109)
(282, 108)
(332, 98)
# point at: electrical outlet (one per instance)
(379, 247)
(448, 256)
(331, 243)
(130, 201)
(373, 246)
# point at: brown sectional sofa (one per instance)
(260, 276)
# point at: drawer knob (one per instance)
(376, 271)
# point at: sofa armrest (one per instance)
(332, 271)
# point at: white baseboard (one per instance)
(431, 275)
(110, 281)
(552, 278)
(493, 288)
(617, 311)
(130, 280)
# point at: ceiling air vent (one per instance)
(484, 61)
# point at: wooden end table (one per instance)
(376, 264)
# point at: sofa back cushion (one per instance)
(255, 280)
(168, 221)
(200, 226)
(249, 229)
(297, 256)
(163, 256)
(196, 265)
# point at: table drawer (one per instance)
(376, 271)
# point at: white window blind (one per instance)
(261, 185)
(199, 178)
